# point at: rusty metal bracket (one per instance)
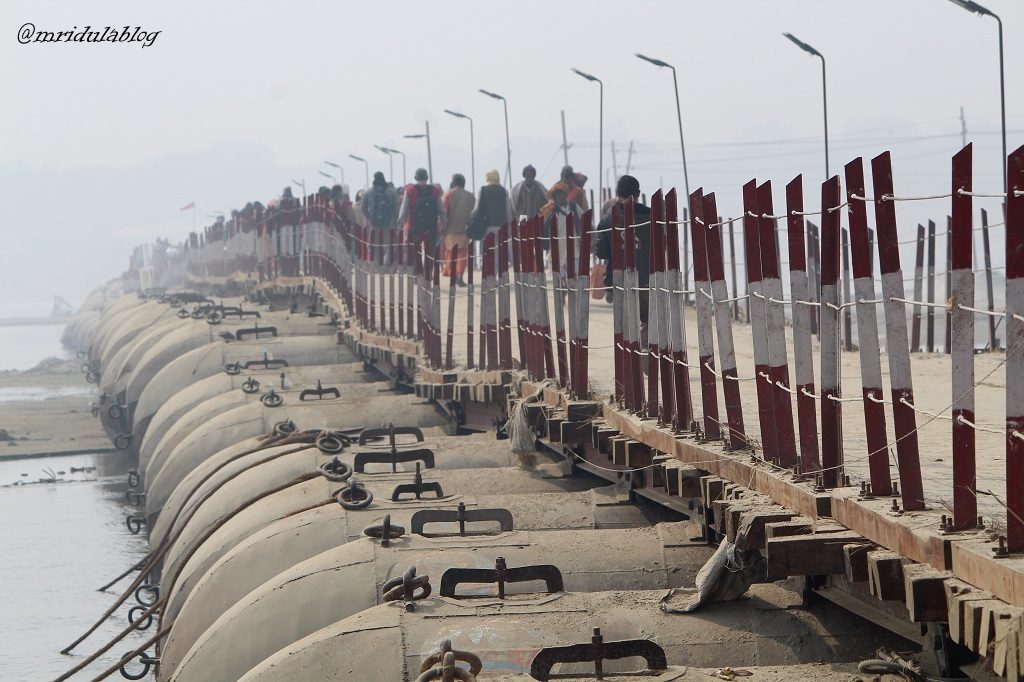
(319, 392)
(265, 363)
(367, 435)
(461, 516)
(393, 458)
(384, 531)
(255, 332)
(597, 652)
(134, 523)
(283, 428)
(240, 313)
(448, 672)
(403, 588)
(417, 487)
(502, 575)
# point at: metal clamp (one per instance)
(134, 479)
(183, 314)
(232, 368)
(115, 411)
(448, 672)
(250, 386)
(134, 497)
(417, 487)
(462, 516)
(123, 441)
(475, 664)
(92, 376)
(335, 470)
(384, 531)
(597, 652)
(146, 660)
(239, 313)
(403, 588)
(265, 363)
(501, 575)
(213, 317)
(272, 399)
(354, 496)
(392, 456)
(319, 392)
(255, 332)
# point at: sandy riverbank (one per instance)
(45, 411)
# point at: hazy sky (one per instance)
(103, 143)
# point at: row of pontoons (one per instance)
(309, 519)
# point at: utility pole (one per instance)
(615, 163)
(629, 157)
(565, 141)
(963, 129)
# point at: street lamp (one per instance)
(972, 6)
(508, 147)
(366, 167)
(391, 162)
(679, 114)
(391, 150)
(341, 171)
(600, 135)
(425, 136)
(472, 152)
(301, 184)
(824, 92)
(329, 176)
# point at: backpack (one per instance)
(424, 213)
(380, 208)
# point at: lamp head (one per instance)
(583, 74)
(652, 60)
(491, 94)
(455, 113)
(357, 158)
(802, 45)
(972, 6)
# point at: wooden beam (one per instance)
(885, 575)
(925, 590)
(818, 554)
(856, 559)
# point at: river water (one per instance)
(58, 541)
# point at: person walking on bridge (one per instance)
(458, 207)
(528, 196)
(628, 187)
(421, 211)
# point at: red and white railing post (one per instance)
(558, 294)
(756, 302)
(965, 496)
(897, 347)
(723, 326)
(705, 314)
(1015, 351)
(572, 300)
(831, 408)
(803, 357)
(867, 331)
(682, 402)
(775, 318)
(504, 299)
(582, 366)
(618, 304)
(632, 330)
(662, 288)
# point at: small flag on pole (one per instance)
(187, 206)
